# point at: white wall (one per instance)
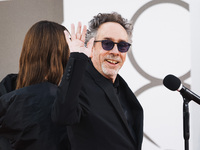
(195, 72)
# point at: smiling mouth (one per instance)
(112, 61)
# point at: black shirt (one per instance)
(125, 105)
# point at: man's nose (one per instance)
(115, 49)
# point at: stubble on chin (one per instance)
(109, 71)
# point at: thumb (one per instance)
(67, 36)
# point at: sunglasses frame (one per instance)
(113, 43)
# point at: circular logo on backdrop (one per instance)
(154, 80)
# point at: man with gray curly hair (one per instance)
(93, 101)
(103, 18)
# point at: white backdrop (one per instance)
(161, 42)
(195, 72)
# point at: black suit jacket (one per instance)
(8, 84)
(25, 120)
(86, 102)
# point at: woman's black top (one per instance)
(25, 120)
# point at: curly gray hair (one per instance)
(101, 18)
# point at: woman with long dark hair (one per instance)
(25, 113)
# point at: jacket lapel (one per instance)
(103, 83)
(115, 102)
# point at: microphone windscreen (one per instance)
(172, 82)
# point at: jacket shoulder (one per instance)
(8, 84)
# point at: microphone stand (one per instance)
(186, 127)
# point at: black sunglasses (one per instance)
(108, 45)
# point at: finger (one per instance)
(78, 32)
(73, 36)
(79, 27)
(84, 33)
(67, 37)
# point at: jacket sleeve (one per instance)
(66, 109)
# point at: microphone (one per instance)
(173, 83)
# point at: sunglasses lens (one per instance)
(107, 45)
(123, 46)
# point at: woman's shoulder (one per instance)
(8, 84)
(44, 88)
(34, 93)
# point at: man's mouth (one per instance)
(112, 61)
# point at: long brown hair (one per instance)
(44, 54)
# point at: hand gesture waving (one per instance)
(77, 41)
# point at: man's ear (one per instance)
(92, 51)
(90, 46)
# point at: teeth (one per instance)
(112, 61)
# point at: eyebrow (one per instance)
(108, 38)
